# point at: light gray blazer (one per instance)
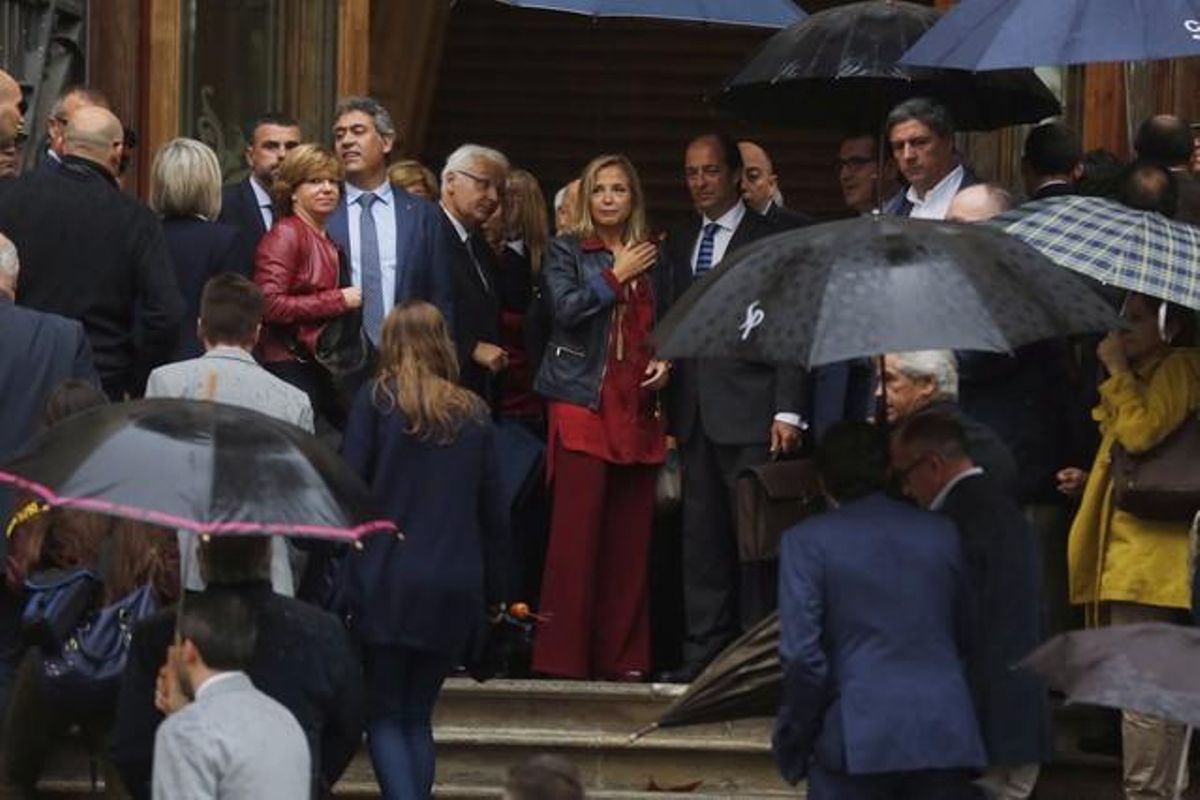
(231, 375)
(231, 743)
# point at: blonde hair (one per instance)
(418, 372)
(414, 177)
(306, 162)
(530, 220)
(185, 180)
(583, 224)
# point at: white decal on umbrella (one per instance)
(754, 317)
(1192, 26)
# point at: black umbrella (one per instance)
(744, 680)
(838, 70)
(873, 285)
(204, 466)
(1151, 668)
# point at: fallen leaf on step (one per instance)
(681, 788)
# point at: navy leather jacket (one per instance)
(581, 293)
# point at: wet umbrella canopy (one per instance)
(199, 465)
(868, 286)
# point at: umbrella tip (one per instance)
(640, 732)
(358, 545)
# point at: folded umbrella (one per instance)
(759, 13)
(874, 285)
(1139, 251)
(198, 465)
(838, 70)
(1149, 668)
(1001, 34)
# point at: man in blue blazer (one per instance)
(394, 239)
(871, 607)
(246, 205)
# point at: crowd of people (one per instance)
(498, 390)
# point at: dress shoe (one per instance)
(627, 676)
(685, 674)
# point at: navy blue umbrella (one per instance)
(1002, 34)
(755, 13)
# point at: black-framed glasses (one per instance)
(481, 183)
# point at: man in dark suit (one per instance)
(1004, 575)
(727, 415)
(303, 658)
(920, 134)
(246, 205)
(472, 182)
(1052, 162)
(873, 627)
(926, 382)
(760, 188)
(95, 254)
(1165, 140)
(71, 100)
(394, 240)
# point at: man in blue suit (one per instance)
(871, 607)
(394, 240)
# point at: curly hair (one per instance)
(306, 162)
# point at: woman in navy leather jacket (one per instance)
(606, 441)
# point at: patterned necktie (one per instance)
(372, 275)
(705, 254)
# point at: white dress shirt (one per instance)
(936, 202)
(384, 212)
(940, 500)
(263, 199)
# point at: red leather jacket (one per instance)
(297, 269)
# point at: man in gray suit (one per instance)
(230, 317)
(222, 737)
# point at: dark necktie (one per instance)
(372, 274)
(471, 243)
(704, 255)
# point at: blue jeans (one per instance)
(402, 687)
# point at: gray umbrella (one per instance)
(873, 285)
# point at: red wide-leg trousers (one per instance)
(595, 591)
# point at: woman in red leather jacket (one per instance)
(299, 269)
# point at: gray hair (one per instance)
(467, 154)
(932, 115)
(940, 366)
(560, 197)
(10, 264)
(185, 180)
(372, 108)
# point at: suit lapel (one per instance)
(404, 232)
(251, 210)
(339, 226)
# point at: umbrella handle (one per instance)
(640, 732)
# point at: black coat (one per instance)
(1056, 189)
(983, 445)
(199, 250)
(785, 218)
(93, 253)
(735, 401)
(476, 306)
(239, 208)
(303, 658)
(1004, 573)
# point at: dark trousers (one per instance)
(931, 784)
(312, 379)
(595, 591)
(712, 590)
(402, 686)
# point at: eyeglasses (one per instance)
(481, 183)
(854, 162)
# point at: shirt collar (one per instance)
(229, 351)
(943, 191)
(260, 193)
(940, 499)
(213, 680)
(383, 191)
(463, 233)
(730, 219)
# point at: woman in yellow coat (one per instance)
(1128, 569)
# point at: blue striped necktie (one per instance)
(372, 273)
(705, 254)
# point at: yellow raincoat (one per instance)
(1113, 555)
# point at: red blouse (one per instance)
(626, 428)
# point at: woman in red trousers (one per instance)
(605, 438)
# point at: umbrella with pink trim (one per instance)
(202, 466)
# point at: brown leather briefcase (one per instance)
(770, 499)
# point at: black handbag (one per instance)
(1164, 482)
(86, 672)
(57, 601)
(342, 346)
